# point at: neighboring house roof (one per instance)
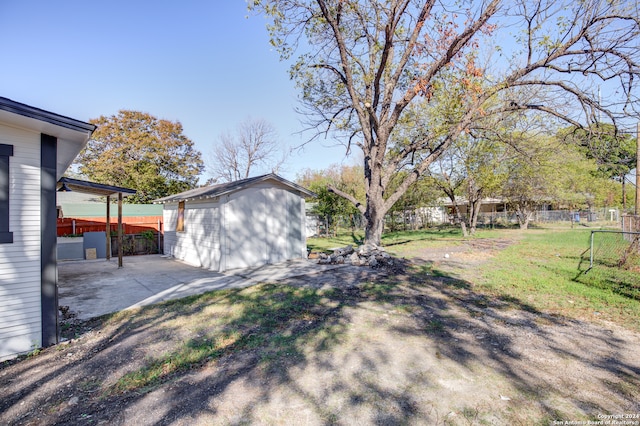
(461, 201)
(226, 188)
(93, 187)
(88, 210)
(72, 135)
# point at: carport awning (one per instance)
(70, 184)
(92, 187)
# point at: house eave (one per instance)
(72, 135)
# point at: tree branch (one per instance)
(351, 198)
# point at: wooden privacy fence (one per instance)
(131, 225)
(138, 244)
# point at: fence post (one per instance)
(591, 251)
(73, 227)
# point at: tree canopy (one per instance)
(139, 151)
(329, 206)
(254, 147)
(368, 69)
(613, 151)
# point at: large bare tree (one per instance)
(366, 68)
(255, 146)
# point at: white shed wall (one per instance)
(199, 244)
(20, 275)
(261, 224)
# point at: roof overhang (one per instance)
(87, 187)
(72, 135)
(216, 191)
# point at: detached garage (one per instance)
(250, 222)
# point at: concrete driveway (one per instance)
(96, 287)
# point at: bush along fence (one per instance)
(146, 242)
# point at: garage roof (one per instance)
(226, 188)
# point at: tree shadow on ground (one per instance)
(360, 346)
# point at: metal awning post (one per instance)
(108, 221)
(119, 229)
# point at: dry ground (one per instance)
(409, 349)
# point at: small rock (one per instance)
(367, 249)
(343, 251)
(74, 400)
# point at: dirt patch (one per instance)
(460, 260)
(375, 348)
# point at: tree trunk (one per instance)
(458, 214)
(375, 224)
(523, 217)
(474, 196)
(463, 224)
(375, 208)
(474, 212)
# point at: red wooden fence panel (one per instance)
(131, 225)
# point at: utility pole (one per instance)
(637, 210)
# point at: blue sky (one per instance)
(205, 63)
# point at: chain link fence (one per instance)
(630, 223)
(429, 217)
(613, 248)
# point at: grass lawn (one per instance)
(496, 342)
(548, 269)
(398, 240)
(545, 267)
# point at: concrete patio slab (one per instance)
(97, 287)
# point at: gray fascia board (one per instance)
(244, 183)
(46, 116)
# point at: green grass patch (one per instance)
(546, 270)
(273, 318)
(403, 240)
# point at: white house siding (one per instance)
(199, 244)
(20, 275)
